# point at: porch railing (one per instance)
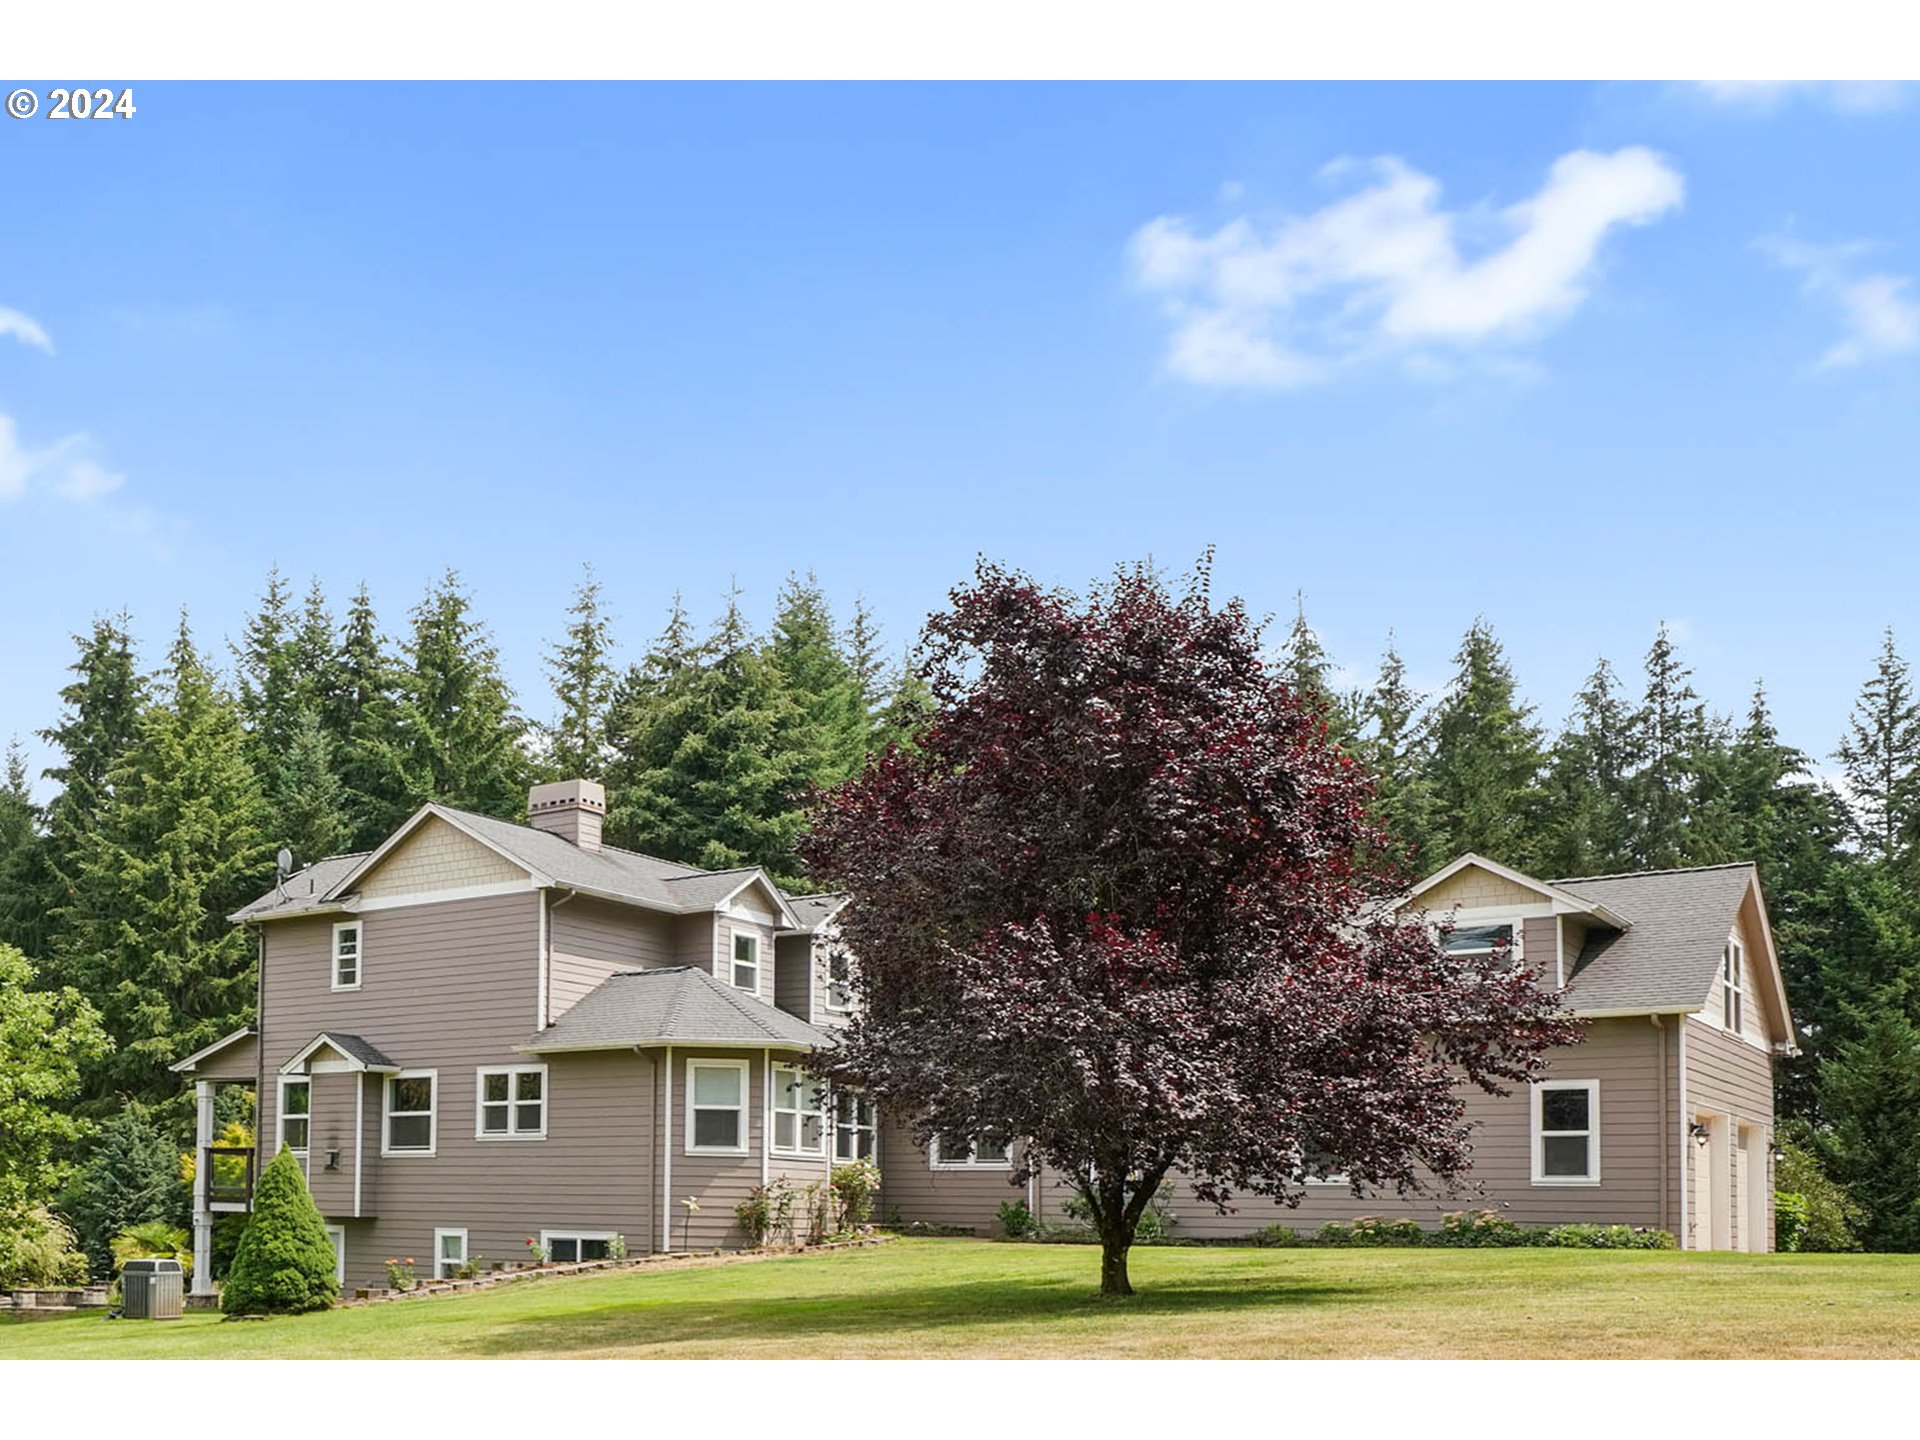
(229, 1170)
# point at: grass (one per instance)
(940, 1298)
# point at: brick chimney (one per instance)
(572, 809)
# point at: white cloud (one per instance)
(1759, 97)
(1383, 269)
(60, 470)
(1879, 317)
(25, 329)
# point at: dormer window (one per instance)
(1478, 939)
(346, 955)
(1732, 977)
(746, 961)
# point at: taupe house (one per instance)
(482, 1033)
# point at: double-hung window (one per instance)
(839, 980)
(346, 955)
(970, 1152)
(799, 1113)
(716, 1107)
(745, 972)
(854, 1130)
(1566, 1132)
(512, 1102)
(296, 1109)
(409, 1125)
(1732, 977)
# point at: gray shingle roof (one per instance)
(677, 1005)
(815, 910)
(355, 1047)
(1668, 960)
(304, 890)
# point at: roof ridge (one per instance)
(1668, 870)
(747, 1009)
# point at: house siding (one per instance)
(913, 1192)
(437, 857)
(1476, 889)
(588, 940)
(1729, 1079)
(793, 983)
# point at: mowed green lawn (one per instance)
(975, 1298)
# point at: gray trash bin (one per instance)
(153, 1289)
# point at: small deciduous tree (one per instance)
(285, 1261)
(1116, 905)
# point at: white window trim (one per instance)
(386, 1116)
(1540, 1177)
(833, 1117)
(735, 933)
(547, 1237)
(1733, 990)
(339, 1232)
(480, 1132)
(935, 1162)
(280, 1116)
(745, 1146)
(774, 1111)
(1462, 920)
(440, 1234)
(359, 955)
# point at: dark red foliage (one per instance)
(1116, 902)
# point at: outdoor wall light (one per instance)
(333, 1159)
(1701, 1134)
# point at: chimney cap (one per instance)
(568, 795)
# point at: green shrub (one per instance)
(153, 1239)
(285, 1260)
(227, 1231)
(1832, 1221)
(1474, 1229)
(38, 1252)
(1789, 1219)
(1605, 1237)
(131, 1177)
(1371, 1230)
(767, 1212)
(856, 1186)
(1016, 1221)
(1278, 1237)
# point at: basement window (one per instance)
(569, 1247)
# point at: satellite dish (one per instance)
(284, 860)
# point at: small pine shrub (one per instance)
(285, 1261)
(1016, 1220)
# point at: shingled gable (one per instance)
(547, 860)
(1563, 902)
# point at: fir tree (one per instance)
(583, 688)
(459, 736)
(1881, 757)
(1391, 746)
(869, 669)
(285, 1262)
(177, 850)
(1587, 825)
(266, 678)
(1675, 746)
(100, 717)
(1870, 1097)
(909, 707)
(1305, 666)
(132, 1176)
(26, 875)
(829, 724)
(361, 718)
(1486, 756)
(308, 806)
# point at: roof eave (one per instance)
(701, 1042)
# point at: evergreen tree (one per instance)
(583, 688)
(1870, 1096)
(308, 805)
(1587, 818)
(177, 850)
(1392, 747)
(829, 723)
(704, 775)
(266, 679)
(1676, 745)
(460, 739)
(100, 716)
(1305, 666)
(132, 1176)
(909, 707)
(317, 657)
(1486, 756)
(26, 875)
(869, 669)
(1881, 757)
(361, 718)
(284, 1263)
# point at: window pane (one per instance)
(990, 1151)
(453, 1247)
(294, 1132)
(863, 1145)
(527, 1084)
(746, 949)
(493, 1119)
(716, 1085)
(1563, 1110)
(409, 1132)
(563, 1250)
(494, 1087)
(843, 1142)
(812, 1133)
(527, 1117)
(745, 977)
(1564, 1155)
(1467, 939)
(294, 1099)
(954, 1149)
(412, 1094)
(593, 1249)
(716, 1127)
(783, 1131)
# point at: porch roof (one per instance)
(672, 1005)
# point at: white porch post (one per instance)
(202, 1183)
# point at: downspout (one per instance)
(766, 1115)
(259, 1052)
(544, 1005)
(359, 1135)
(1686, 1135)
(666, 1155)
(1666, 1198)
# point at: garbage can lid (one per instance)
(155, 1266)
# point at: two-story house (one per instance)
(484, 1032)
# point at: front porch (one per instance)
(223, 1175)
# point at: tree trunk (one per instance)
(1113, 1265)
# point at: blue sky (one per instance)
(1580, 358)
